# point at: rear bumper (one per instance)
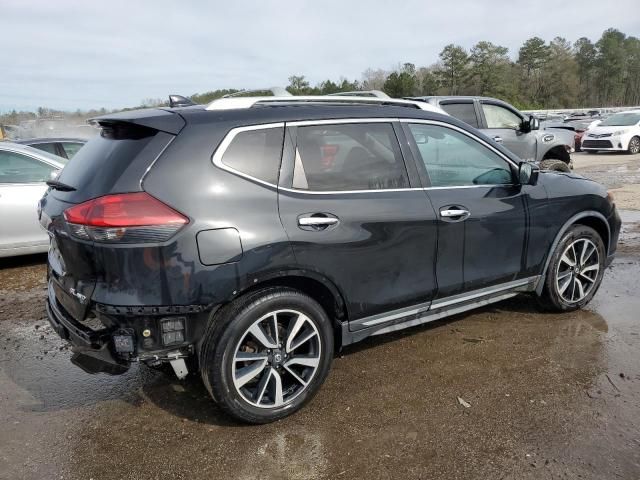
(91, 350)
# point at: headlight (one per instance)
(620, 132)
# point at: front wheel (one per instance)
(634, 146)
(267, 354)
(556, 165)
(575, 270)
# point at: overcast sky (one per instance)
(70, 54)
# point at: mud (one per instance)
(550, 396)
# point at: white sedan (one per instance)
(23, 173)
(619, 132)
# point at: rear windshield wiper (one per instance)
(63, 187)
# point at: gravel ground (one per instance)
(550, 396)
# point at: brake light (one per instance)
(124, 217)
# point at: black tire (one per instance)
(554, 164)
(551, 299)
(634, 146)
(227, 330)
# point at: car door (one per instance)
(503, 125)
(354, 218)
(481, 211)
(463, 109)
(22, 185)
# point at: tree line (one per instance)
(544, 75)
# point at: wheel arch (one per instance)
(559, 152)
(589, 218)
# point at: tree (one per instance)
(560, 77)
(298, 85)
(489, 67)
(373, 79)
(610, 67)
(428, 82)
(584, 52)
(454, 61)
(401, 83)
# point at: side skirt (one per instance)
(357, 330)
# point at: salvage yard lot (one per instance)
(503, 392)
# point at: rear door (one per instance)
(353, 216)
(22, 184)
(503, 125)
(481, 211)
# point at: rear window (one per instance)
(97, 167)
(256, 153)
(46, 147)
(462, 111)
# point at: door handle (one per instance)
(454, 214)
(497, 139)
(316, 221)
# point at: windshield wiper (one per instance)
(63, 187)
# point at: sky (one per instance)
(80, 54)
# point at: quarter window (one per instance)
(256, 153)
(71, 148)
(17, 168)
(46, 147)
(500, 117)
(454, 159)
(363, 156)
(462, 111)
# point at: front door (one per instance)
(503, 125)
(481, 211)
(352, 215)
(21, 187)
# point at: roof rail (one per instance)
(360, 93)
(249, 102)
(277, 92)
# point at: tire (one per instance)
(634, 146)
(255, 397)
(553, 164)
(559, 296)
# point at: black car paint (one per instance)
(389, 251)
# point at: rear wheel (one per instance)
(554, 164)
(575, 271)
(634, 146)
(267, 354)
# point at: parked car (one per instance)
(619, 132)
(580, 127)
(61, 147)
(23, 173)
(256, 236)
(550, 148)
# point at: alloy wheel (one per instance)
(276, 358)
(577, 270)
(634, 145)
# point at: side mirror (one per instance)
(534, 123)
(420, 138)
(528, 173)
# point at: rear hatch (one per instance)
(115, 161)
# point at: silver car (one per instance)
(23, 173)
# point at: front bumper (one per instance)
(613, 144)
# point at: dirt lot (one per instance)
(551, 396)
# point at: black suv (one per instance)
(251, 238)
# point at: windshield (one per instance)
(621, 119)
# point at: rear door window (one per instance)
(354, 156)
(256, 153)
(71, 148)
(18, 168)
(462, 111)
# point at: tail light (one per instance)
(125, 218)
